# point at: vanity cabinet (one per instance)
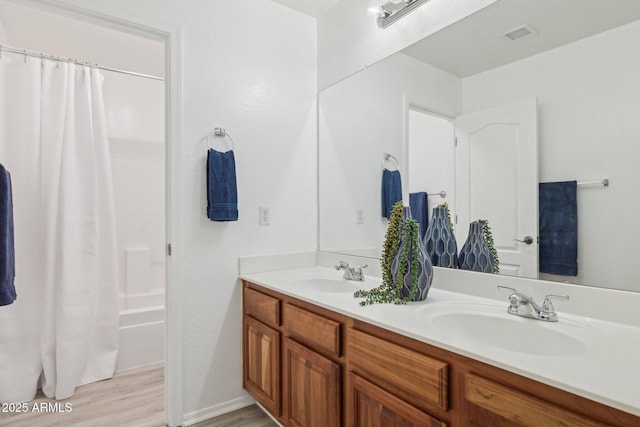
(414, 377)
(450, 389)
(371, 405)
(309, 366)
(491, 403)
(261, 349)
(262, 364)
(312, 381)
(395, 382)
(312, 387)
(304, 385)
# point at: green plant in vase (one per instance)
(488, 236)
(390, 245)
(402, 242)
(439, 239)
(445, 205)
(410, 230)
(479, 252)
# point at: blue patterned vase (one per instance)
(475, 255)
(439, 240)
(425, 270)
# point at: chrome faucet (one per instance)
(522, 305)
(351, 273)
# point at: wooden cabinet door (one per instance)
(371, 406)
(491, 403)
(311, 388)
(414, 377)
(262, 364)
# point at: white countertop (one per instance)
(606, 370)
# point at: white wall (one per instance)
(4, 40)
(249, 67)
(361, 118)
(349, 38)
(68, 37)
(589, 100)
(135, 118)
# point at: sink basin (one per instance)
(511, 333)
(338, 285)
(490, 326)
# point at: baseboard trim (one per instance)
(216, 410)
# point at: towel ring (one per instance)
(387, 156)
(221, 132)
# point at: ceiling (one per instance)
(314, 8)
(470, 46)
(476, 44)
(36, 29)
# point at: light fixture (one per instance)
(392, 10)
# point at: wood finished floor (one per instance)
(133, 398)
(251, 416)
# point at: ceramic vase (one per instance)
(475, 255)
(425, 270)
(439, 240)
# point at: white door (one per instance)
(497, 180)
(431, 156)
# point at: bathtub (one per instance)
(141, 337)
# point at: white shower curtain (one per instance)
(62, 331)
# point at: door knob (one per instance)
(527, 240)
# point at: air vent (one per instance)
(521, 32)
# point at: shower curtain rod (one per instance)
(73, 61)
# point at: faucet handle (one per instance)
(515, 297)
(363, 267)
(342, 264)
(515, 291)
(548, 306)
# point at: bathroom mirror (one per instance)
(584, 73)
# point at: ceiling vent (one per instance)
(520, 32)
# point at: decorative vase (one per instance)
(409, 242)
(475, 255)
(439, 240)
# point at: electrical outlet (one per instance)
(359, 216)
(265, 215)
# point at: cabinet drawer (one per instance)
(262, 307)
(418, 379)
(515, 408)
(317, 332)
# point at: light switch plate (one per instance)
(265, 216)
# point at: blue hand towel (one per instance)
(558, 221)
(7, 249)
(222, 190)
(419, 204)
(391, 191)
